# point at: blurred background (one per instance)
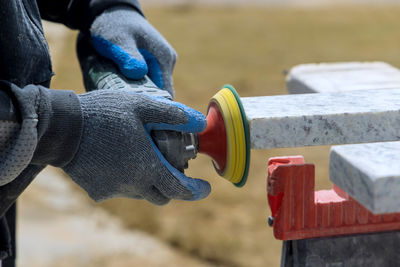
(250, 44)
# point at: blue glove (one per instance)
(124, 36)
(118, 158)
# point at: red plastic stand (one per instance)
(298, 212)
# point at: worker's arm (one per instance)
(36, 123)
(100, 139)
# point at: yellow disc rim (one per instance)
(235, 135)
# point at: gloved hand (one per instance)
(117, 157)
(101, 140)
(134, 45)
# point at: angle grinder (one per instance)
(226, 139)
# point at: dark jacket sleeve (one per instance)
(37, 126)
(79, 14)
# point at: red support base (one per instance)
(299, 213)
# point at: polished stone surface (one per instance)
(341, 77)
(323, 119)
(370, 173)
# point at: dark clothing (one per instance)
(23, 48)
(79, 14)
(24, 53)
(24, 60)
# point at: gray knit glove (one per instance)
(117, 157)
(124, 36)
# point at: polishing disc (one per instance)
(237, 136)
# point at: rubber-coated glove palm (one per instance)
(117, 157)
(130, 41)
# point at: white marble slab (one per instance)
(323, 119)
(370, 173)
(341, 77)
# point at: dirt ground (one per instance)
(250, 48)
(58, 226)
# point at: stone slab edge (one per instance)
(370, 173)
(340, 77)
